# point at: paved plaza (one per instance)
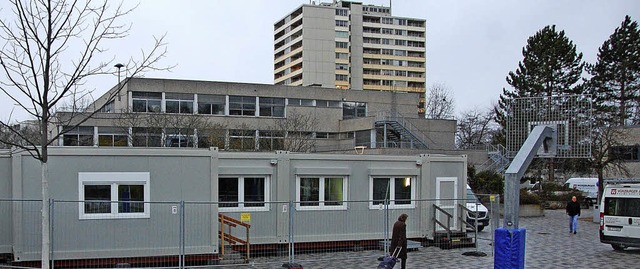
(548, 245)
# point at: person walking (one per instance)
(573, 210)
(399, 238)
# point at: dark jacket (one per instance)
(573, 208)
(399, 238)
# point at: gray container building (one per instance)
(145, 187)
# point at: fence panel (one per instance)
(104, 234)
(487, 210)
(23, 231)
(267, 225)
(188, 234)
(6, 228)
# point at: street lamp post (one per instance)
(119, 66)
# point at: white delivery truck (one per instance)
(476, 211)
(620, 215)
(588, 185)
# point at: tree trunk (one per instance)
(46, 243)
(551, 172)
(600, 173)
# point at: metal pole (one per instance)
(291, 230)
(387, 243)
(495, 218)
(515, 171)
(182, 235)
(386, 225)
(384, 136)
(511, 200)
(51, 213)
(119, 65)
(475, 235)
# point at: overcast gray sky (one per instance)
(471, 44)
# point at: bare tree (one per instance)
(299, 130)
(179, 130)
(212, 135)
(440, 103)
(475, 127)
(51, 48)
(19, 132)
(242, 138)
(605, 140)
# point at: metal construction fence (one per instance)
(181, 234)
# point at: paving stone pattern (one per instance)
(548, 245)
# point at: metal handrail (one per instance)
(436, 221)
(397, 117)
(231, 222)
(464, 219)
(491, 163)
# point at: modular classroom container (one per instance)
(164, 177)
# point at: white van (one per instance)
(474, 205)
(588, 185)
(619, 215)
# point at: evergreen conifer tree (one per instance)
(551, 66)
(615, 77)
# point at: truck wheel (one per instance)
(618, 247)
(480, 228)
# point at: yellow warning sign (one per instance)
(245, 217)
(492, 198)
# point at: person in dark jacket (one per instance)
(399, 238)
(573, 210)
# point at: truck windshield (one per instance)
(626, 207)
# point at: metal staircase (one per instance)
(498, 160)
(397, 132)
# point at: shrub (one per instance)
(487, 182)
(528, 198)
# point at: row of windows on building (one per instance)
(384, 41)
(394, 83)
(389, 31)
(396, 73)
(366, 10)
(232, 139)
(126, 195)
(395, 52)
(393, 62)
(392, 21)
(231, 105)
(375, 9)
(396, 42)
(627, 153)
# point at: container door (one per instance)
(446, 199)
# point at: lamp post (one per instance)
(119, 66)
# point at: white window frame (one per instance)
(392, 204)
(241, 207)
(114, 179)
(321, 205)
